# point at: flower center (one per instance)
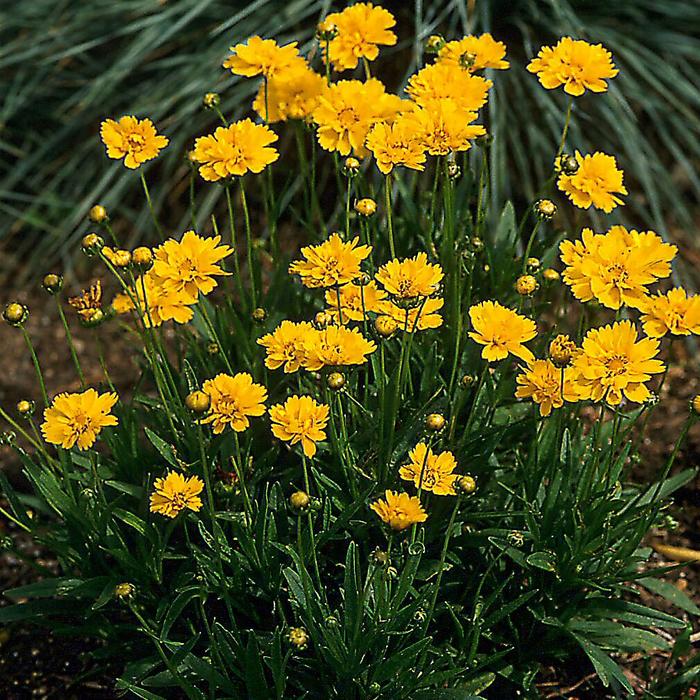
(616, 365)
(135, 141)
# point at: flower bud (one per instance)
(198, 402)
(567, 164)
(695, 404)
(363, 280)
(545, 208)
(453, 171)
(533, 265)
(468, 380)
(335, 381)
(379, 557)
(332, 621)
(434, 43)
(550, 274)
(259, 314)
(142, 257)
(326, 30)
(323, 319)
(124, 590)
(300, 500)
(211, 100)
(526, 285)
(25, 408)
(52, 283)
(120, 258)
(435, 422)
(98, 214)
(351, 167)
(477, 244)
(467, 60)
(366, 206)
(92, 244)
(213, 348)
(465, 484)
(298, 638)
(561, 351)
(385, 326)
(93, 319)
(15, 314)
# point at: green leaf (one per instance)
(670, 593)
(176, 607)
(255, 681)
(167, 451)
(605, 667)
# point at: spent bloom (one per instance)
(399, 510)
(333, 262)
(481, 51)
(361, 29)
(575, 64)
(410, 278)
(501, 331)
(300, 419)
(396, 144)
(439, 80)
(233, 150)
(174, 493)
(286, 345)
(546, 384)
(78, 418)
(261, 57)
(233, 401)
(675, 312)
(190, 265)
(597, 182)
(131, 139)
(336, 346)
(429, 471)
(614, 363)
(615, 267)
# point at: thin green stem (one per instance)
(389, 217)
(249, 246)
(150, 204)
(71, 345)
(37, 366)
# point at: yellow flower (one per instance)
(542, 382)
(356, 301)
(134, 140)
(501, 331)
(399, 510)
(188, 266)
(233, 400)
(78, 418)
(234, 150)
(88, 304)
(396, 144)
(158, 305)
(421, 317)
(410, 278)
(361, 29)
(429, 471)
(174, 493)
(475, 53)
(286, 345)
(333, 262)
(596, 182)
(616, 267)
(347, 110)
(300, 419)
(575, 64)
(291, 94)
(440, 80)
(613, 363)
(675, 312)
(261, 57)
(444, 127)
(336, 346)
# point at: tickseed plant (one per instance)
(392, 462)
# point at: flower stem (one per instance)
(389, 217)
(249, 245)
(150, 204)
(71, 345)
(37, 366)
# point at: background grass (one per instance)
(65, 66)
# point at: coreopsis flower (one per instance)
(261, 57)
(675, 312)
(410, 278)
(481, 51)
(118, 257)
(420, 317)
(542, 382)
(291, 94)
(235, 149)
(286, 345)
(131, 139)
(333, 262)
(429, 471)
(77, 419)
(399, 510)
(616, 267)
(175, 493)
(356, 301)
(336, 346)
(156, 305)
(575, 64)
(348, 109)
(233, 401)
(439, 80)
(88, 304)
(396, 144)
(501, 331)
(614, 363)
(361, 29)
(189, 266)
(300, 419)
(597, 182)
(444, 127)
